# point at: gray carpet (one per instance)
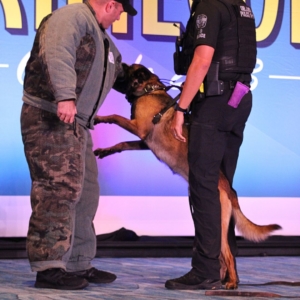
(144, 278)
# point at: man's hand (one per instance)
(66, 111)
(176, 126)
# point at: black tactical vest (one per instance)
(236, 46)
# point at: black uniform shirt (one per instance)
(210, 17)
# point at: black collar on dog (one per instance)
(152, 88)
(149, 88)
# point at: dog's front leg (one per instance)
(132, 145)
(103, 119)
(129, 125)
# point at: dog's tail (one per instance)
(248, 229)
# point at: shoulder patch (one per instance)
(201, 21)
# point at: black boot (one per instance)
(191, 281)
(95, 276)
(60, 280)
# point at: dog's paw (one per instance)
(100, 153)
(231, 285)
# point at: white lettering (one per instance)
(246, 14)
(201, 35)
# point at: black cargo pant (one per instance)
(64, 192)
(216, 135)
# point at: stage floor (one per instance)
(144, 278)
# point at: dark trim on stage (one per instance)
(151, 246)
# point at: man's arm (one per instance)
(196, 73)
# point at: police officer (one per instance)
(219, 50)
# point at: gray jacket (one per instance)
(68, 62)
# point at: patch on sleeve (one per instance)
(201, 23)
(111, 58)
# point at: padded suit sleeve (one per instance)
(59, 43)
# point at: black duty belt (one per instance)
(230, 85)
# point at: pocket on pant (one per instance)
(227, 118)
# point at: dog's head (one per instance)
(134, 81)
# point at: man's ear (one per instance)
(109, 6)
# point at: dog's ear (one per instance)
(122, 81)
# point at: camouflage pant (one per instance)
(64, 192)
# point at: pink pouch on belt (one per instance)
(238, 93)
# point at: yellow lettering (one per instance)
(151, 26)
(295, 21)
(268, 20)
(74, 1)
(12, 12)
(191, 2)
(121, 25)
(42, 9)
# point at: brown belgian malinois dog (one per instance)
(152, 110)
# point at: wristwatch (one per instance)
(178, 108)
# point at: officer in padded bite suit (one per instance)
(219, 50)
(72, 67)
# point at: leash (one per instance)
(158, 116)
(289, 283)
(255, 294)
(246, 294)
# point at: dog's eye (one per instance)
(146, 75)
(141, 77)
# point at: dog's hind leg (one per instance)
(226, 256)
(120, 147)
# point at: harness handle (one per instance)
(158, 116)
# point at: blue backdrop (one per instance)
(269, 164)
